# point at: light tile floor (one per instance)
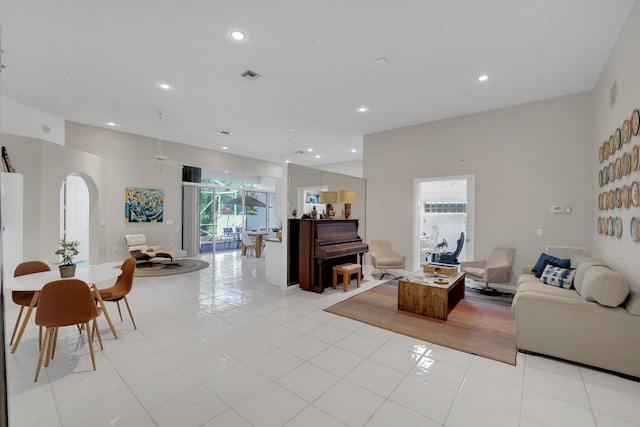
(222, 347)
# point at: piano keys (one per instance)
(324, 244)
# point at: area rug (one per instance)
(474, 325)
(156, 270)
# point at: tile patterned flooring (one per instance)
(222, 347)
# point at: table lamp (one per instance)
(329, 197)
(347, 197)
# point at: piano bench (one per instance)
(346, 270)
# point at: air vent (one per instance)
(251, 75)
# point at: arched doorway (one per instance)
(74, 214)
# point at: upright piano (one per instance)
(323, 244)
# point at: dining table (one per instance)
(91, 275)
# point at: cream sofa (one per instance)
(596, 322)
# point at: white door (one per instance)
(74, 214)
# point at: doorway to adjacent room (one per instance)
(444, 206)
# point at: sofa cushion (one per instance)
(583, 265)
(541, 288)
(526, 278)
(605, 286)
(544, 258)
(561, 264)
(633, 304)
(558, 276)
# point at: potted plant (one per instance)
(67, 251)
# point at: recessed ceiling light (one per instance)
(363, 109)
(111, 124)
(287, 161)
(353, 150)
(317, 156)
(225, 148)
(238, 35)
(291, 129)
(310, 149)
(483, 78)
(164, 85)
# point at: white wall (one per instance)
(45, 166)
(353, 168)
(20, 119)
(623, 68)
(109, 161)
(524, 158)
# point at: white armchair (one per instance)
(495, 269)
(384, 257)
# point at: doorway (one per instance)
(74, 214)
(444, 206)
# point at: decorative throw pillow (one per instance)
(558, 276)
(551, 263)
(540, 264)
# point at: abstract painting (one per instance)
(144, 205)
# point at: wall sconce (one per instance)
(347, 197)
(329, 197)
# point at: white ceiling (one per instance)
(95, 61)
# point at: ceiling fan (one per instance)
(159, 157)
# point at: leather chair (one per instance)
(451, 258)
(138, 248)
(495, 269)
(384, 257)
(23, 298)
(121, 288)
(65, 302)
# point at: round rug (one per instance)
(184, 266)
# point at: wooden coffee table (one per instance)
(420, 295)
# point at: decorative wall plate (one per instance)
(635, 122)
(612, 145)
(635, 156)
(635, 193)
(610, 199)
(617, 136)
(618, 197)
(626, 131)
(617, 226)
(611, 173)
(610, 226)
(634, 229)
(600, 225)
(619, 168)
(626, 196)
(626, 164)
(605, 149)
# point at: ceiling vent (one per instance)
(251, 75)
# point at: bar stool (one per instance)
(346, 270)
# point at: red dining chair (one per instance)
(65, 302)
(121, 288)
(23, 298)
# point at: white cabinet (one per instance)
(11, 219)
